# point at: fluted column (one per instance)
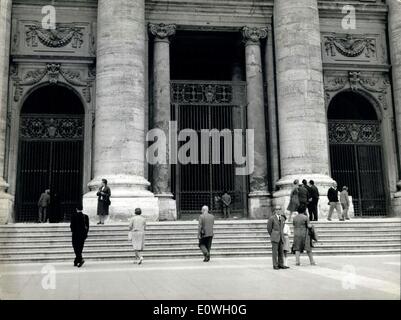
(302, 116)
(6, 200)
(394, 29)
(161, 116)
(258, 203)
(119, 138)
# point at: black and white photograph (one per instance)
(177, 151)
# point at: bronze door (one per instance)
(50, 157)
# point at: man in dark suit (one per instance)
(205, 232)
(303, 196)
(79, 228)
(314, 199)
(275, 226)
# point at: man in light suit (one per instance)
(43, 204)
(275, 226)
(205, 232)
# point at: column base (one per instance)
(167, 207)
(396, 204)
(127, 193)
(6, 207)
(259, 205)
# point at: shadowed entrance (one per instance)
(356, 152)
(50, 153)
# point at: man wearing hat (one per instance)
(79, 228)
(275, 226)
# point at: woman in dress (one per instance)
(286, 242)
(103, 201)
(294, 200)
(137, 229)
(302, 240)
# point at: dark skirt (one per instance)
(102, 208)
(301, 240)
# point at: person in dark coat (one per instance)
(302, 240)
(294, 200)
(334, 203)
(303, 196)
(275, 226)
(205, 232)
(314, 200)
(103, 201)
(79, 227)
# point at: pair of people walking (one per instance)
(302, 197)
(279, 236)
(339, 203)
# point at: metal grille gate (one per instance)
(208, 105)
(50, 156)
(356, 161)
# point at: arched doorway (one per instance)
(50, 153)
(356, 152)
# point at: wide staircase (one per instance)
(21, 243)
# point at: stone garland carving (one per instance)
(349, 46)
(377, 85)
(54, 38)
(53, 71)
(353, 132)
(36, 127)
(253, 35)
(201, 93)
(162, 31)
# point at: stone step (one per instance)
(187, 255)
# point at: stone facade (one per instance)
(116, 57)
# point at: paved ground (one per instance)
(339, 277)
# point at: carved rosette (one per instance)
(253, 35)
(377, 85)
(52, 73)
(162, 31)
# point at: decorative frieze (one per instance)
(52, 73)
(42, 127)
(377, 85)
(350, 46)
(54, 38)
(354, 132)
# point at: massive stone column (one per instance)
(119, 139)
(394, 29)
(6, 200)
(161, 116)
(272, 110)
(302, 116)
(259, 201)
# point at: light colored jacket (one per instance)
(44, 200)
(344, 198)
(138, 223)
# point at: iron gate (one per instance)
(208, 105)
(50, 157)
(356, 162)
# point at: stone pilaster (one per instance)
(302, 116)
(272, 110)
(259, 201)
(394, 29)
(161, 116)
(6, 200)
(119, 138)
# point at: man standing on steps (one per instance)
(275, 226)
(43, 204)
(205, 232)
(334, 203)
(79, 228)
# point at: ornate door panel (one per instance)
(356, 162)
(50, 156)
